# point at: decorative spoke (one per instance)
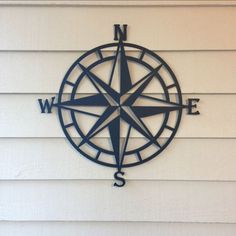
(114, 129)
(122, 156)
(94, 100)
(146, 111)
(160, 100)
(94, 79)
(101, 123)
(76, 110)
(143, 84)
(136, 125)
(149, 132)
(125, 80)
(114, 64)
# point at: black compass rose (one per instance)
(135, 103)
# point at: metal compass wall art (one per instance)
(119, 104)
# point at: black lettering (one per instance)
(192, 104)
(45, 105)
(120, 33)
(120, 179)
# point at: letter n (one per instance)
(120, 33)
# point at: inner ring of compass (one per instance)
(166, 115)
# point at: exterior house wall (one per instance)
(47, 188)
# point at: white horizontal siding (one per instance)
(197, 72)
(76, 28)
(184, 159)
(118, 3)
(83, 200)
(114, 228)
(39, 40)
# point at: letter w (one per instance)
(46, 106)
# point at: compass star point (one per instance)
(140, 86)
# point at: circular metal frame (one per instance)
(142, 63)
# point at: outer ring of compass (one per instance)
(99, 147)
(141, 49)
(102, 61)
